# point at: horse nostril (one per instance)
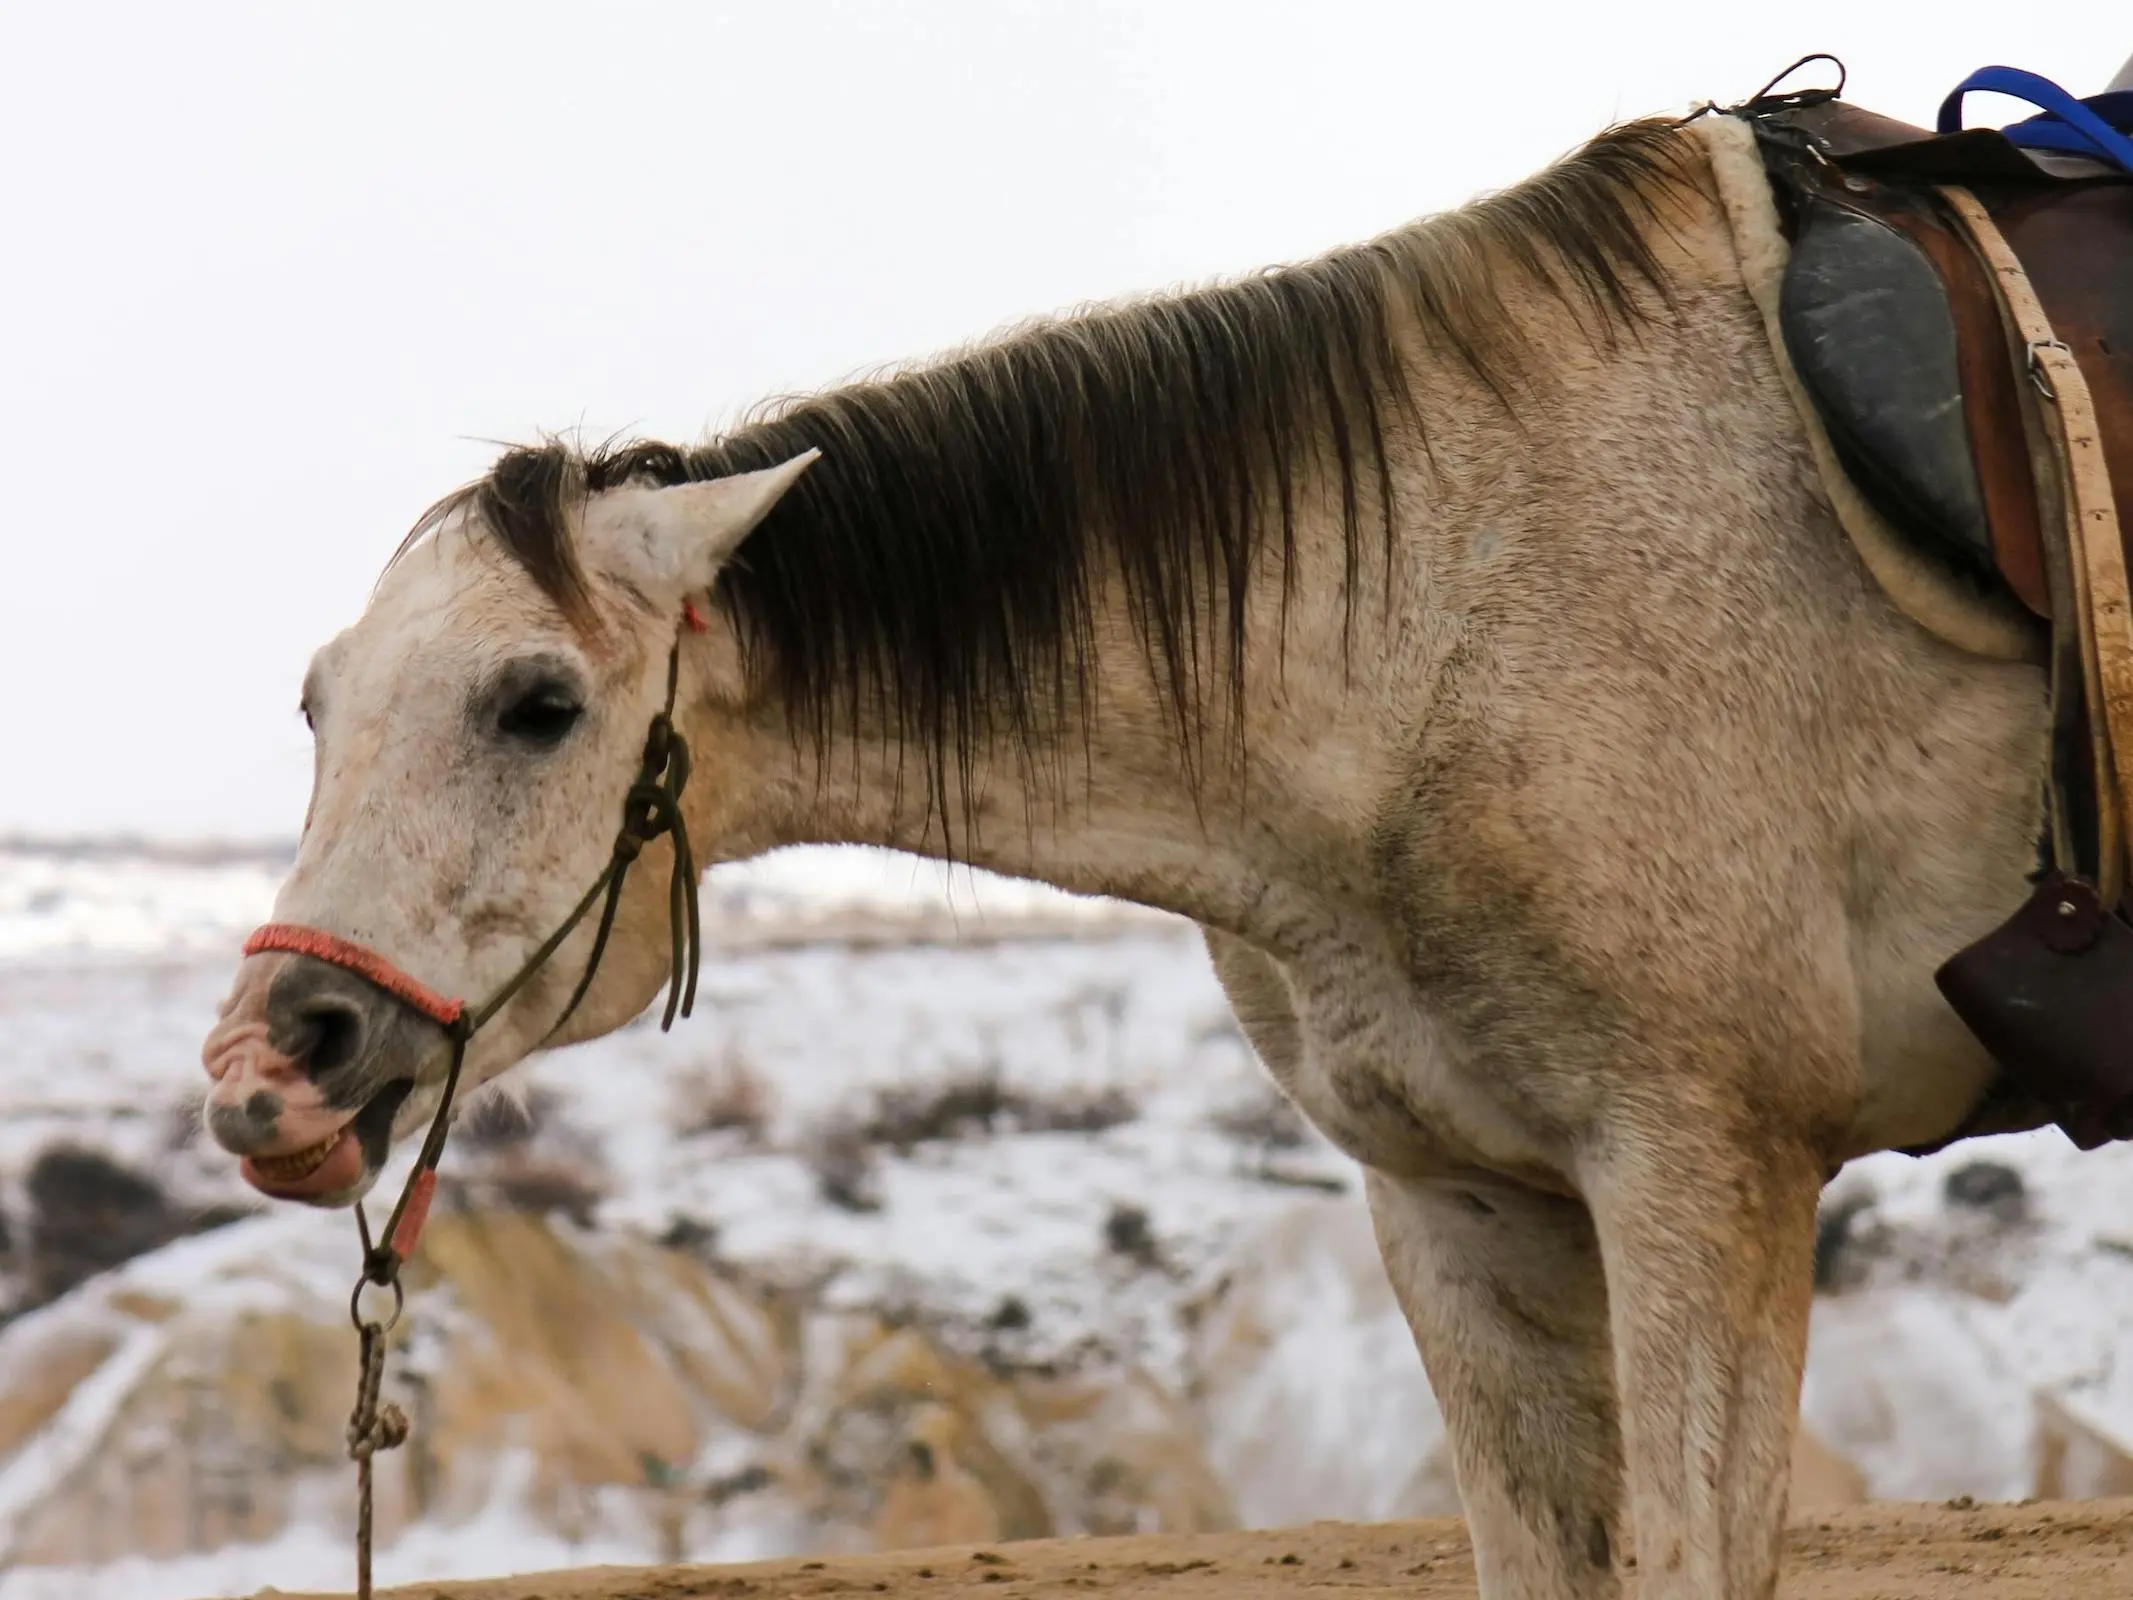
(331, 1035)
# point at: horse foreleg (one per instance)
(1504, 1291)
(1708, 1240)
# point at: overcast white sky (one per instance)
(273, 273)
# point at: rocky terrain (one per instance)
(950, 1220)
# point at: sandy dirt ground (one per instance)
(2046, 1550)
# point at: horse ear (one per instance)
(702, 524)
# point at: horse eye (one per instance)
(541, 716)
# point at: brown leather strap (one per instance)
(1992, 400)
(2104, 605)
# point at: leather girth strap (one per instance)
(2089, 528)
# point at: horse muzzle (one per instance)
(311, 1066)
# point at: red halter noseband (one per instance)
(298, 940)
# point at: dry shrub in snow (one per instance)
(90, 1213)
(1263, 1118)
(1129, 1233)
(505, 1117)
(725, 1094)
(519, 1154)
(544, 1186)
(982, 1103)
(847, 1172)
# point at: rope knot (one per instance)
(647, 812)
(386, 1430)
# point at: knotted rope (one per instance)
(372, 1426)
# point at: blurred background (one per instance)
(961, 1210)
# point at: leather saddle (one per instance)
(1959, 308)
(1895, 327)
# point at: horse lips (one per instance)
(332, 1166)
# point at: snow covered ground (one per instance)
(1029, 1119)
(1058, 1117)
(1117, 1048)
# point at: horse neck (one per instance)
(1124, 806)
(1088, 816)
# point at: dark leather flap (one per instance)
(1867, 324)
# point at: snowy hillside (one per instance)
(1042, 1152)
(96, 900)
(1089, 1033)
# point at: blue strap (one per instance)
(2067, 124)
(2049, 133)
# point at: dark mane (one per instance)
(936, 570)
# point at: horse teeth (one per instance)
(298, 1164)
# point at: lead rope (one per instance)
(371, 1426)
(652, 807)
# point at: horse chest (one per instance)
(1385, 1078)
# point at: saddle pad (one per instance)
(1872, 337)
(1940, 599)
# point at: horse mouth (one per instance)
(338, 1168)
(294, 1168)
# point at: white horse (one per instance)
(1455, 627)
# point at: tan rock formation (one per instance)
(2078, 1456)
(1821, 1477)
(628, 1389)
(932, 1497)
